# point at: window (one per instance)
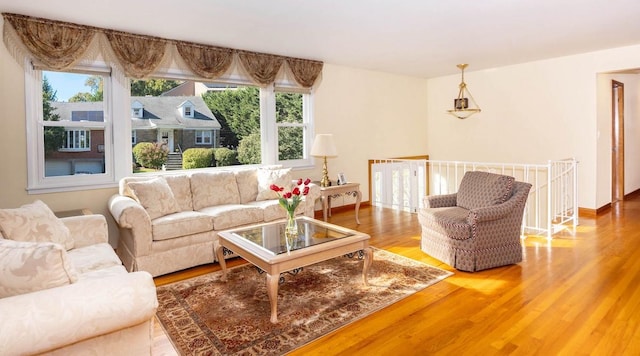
(77, 140)
(133, 137)
(188, 111)
(71, 146)
(203, 137)
(290, 125)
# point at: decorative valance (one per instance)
(206, 61)
(59, 45)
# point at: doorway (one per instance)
(617, 142)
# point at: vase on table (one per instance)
(291, 228)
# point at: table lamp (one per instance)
(323, 146)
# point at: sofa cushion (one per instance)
(247, 185)
(214, 188)
(32, 266)
(155, 196)
(232, 215)
(449, 221)
(480, 189)
(181, 224)
(34, 222)
(93, 258)
(267, 177)
(181, 187)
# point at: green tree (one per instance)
(249, 149)
(153, 87)
(290, 140)
(53, 136)
(96, 90)
(238, 110)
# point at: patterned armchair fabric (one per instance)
(479, 226)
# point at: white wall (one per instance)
(535, 112)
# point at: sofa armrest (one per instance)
(440, 201)
(129, 214)
(87, 229)
(48, 319)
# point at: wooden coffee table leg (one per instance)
(272, 292)
(218, 249)
(368, 259)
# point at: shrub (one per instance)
(197, 158)
(225, 157)
(249, 149)
(150, 155)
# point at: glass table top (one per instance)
(271, 237)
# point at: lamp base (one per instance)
(325, 182)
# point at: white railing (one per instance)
(552, 204)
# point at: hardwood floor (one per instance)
(577, 294)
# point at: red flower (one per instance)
(296, 191)
(305, 191)
(306, 181)
(275, 188)
(300, 181)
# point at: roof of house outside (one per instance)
(158, 112)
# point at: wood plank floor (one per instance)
(578, 294)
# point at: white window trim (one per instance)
(87, 134)
(204, 134)
(116, 104)
(307, 122)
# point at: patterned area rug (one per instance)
(205, 316)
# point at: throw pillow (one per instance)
(34, 222)
(480, 189)
(267, 177)
(33, 266)
(181, 187)
(155, 196)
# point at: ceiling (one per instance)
(424, 38)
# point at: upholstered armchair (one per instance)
(478, 227)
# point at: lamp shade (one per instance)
(323, 146)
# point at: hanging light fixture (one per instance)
(464, 105)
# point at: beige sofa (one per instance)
(69, 295)
(169, 222)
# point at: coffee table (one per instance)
(265, 246)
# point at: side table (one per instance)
(334, 191)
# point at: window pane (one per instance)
(72, 98)
(71, 151)
(237, 109)
(290, 143)
(288, 107)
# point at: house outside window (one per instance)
(203, 137)
(76, 140)
(133, 137)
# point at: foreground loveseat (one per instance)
(478, 227)
(63, 290)
(170, 222)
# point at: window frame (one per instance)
(201, 134)
(113, 90)
(86, 133)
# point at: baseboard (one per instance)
(341, 208)
(592, 213)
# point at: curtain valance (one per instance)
(59, 45)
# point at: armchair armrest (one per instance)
(440, 201)
(87, 229)
(129, 214)
(493, 212)
(48, 319)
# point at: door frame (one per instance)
(617, 141)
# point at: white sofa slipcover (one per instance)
(162, 237)
(104, 310)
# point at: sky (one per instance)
(66, 85)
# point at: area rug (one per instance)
(205, 316)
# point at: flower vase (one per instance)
(291, 229)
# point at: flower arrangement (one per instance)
(290, 200)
